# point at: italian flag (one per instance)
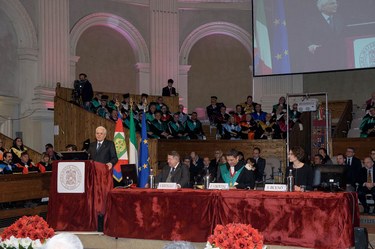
(122, 153)
(262, 48)
(133, 144)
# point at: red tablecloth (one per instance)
(79, 212)
(311, 219)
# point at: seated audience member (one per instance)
(182, 116)
(186, 160)
(176, 128)
(371, 102)
(179, 245)
(280, 118)
(281, 104)
(366, 182)
(137, 123)
(303, 173)
(353, 165)
(260, 164)
(142, 106)
(259, 115)
(194, 127)
(95, 102)
(169, 90)
(6, 165)
(231, 130)
(45, 163)
(158, 127)
(223, 161)
(2, 149)
(208, 169)
(71, 147)
(64, 241)
(239, 115)
(165, 114)
(174, 171)
(368, 124)
(372, 154)
(114, 104)
(249, 106)
(318, 160)
(248, 127)
(17, 149)
(114, 115)
(25, 165)
(268, 129)
(150, 114)
(326, 158)
(340, 159)
(52, 153)
(241, 157)
(196, 166)
(160, 104)
(294, 116)
(125, 103)
(103, 109)
(235, 173)
(221, 119)
(214, 163)
(213, 110)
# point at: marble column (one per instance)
(143, 78)
(164, 44)
(183, 85)
(54, 42)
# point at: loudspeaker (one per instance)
(360, 238)
(100, 223)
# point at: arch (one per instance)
(24, 27)
(211, 28)
(117, 23)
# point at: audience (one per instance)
(25, 165)
(17, 149)
(366, 182)
(260, 164)
(370, 102)
(51, 153)
(231, 130)
(249, 106)
(340, 159)
(6, 165)
(259, 115)
(194, 128)
(368, 124)
(213, 110)
(169, 90)
(2, 149)
(326, 159)
(45, 163)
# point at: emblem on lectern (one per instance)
(71, 177)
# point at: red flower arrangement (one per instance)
(235, 236)
(31, 227)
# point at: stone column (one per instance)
(143, 78)
(54, 42)
(164, 44)
(183, 85)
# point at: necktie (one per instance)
(170, 91)
(330, 22)
(98, 146)
(169, 178)
(349, 161)
(369, 176)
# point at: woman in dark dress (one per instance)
(303, 174)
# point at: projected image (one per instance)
(294, 36)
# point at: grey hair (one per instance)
(179, 245)
(64, 241)
(101, 128)
(320, 3)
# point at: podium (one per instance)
(79, 211)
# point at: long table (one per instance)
(310, 219)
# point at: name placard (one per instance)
(167, 185)
(275, 187)
(219, 186)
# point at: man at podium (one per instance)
(103, 152)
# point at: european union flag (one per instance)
(144, 167)
(280, 48)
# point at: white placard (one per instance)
(71, 177)
(167, 185)
(220, 186)
(275, 187)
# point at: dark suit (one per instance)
(260, 166)
(168, 92)
(105, 154)
(180, 175)
(353, 171)
(363, 190)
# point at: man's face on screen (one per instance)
(330, 7)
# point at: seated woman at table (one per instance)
(303, 173)
(235, 173)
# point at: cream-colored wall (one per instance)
(356, 85)
(108, 60)
(219, 66)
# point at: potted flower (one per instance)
(235, 236)
(28, 232)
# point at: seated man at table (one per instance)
(366, 183)
(6, 165)
(175, 171)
